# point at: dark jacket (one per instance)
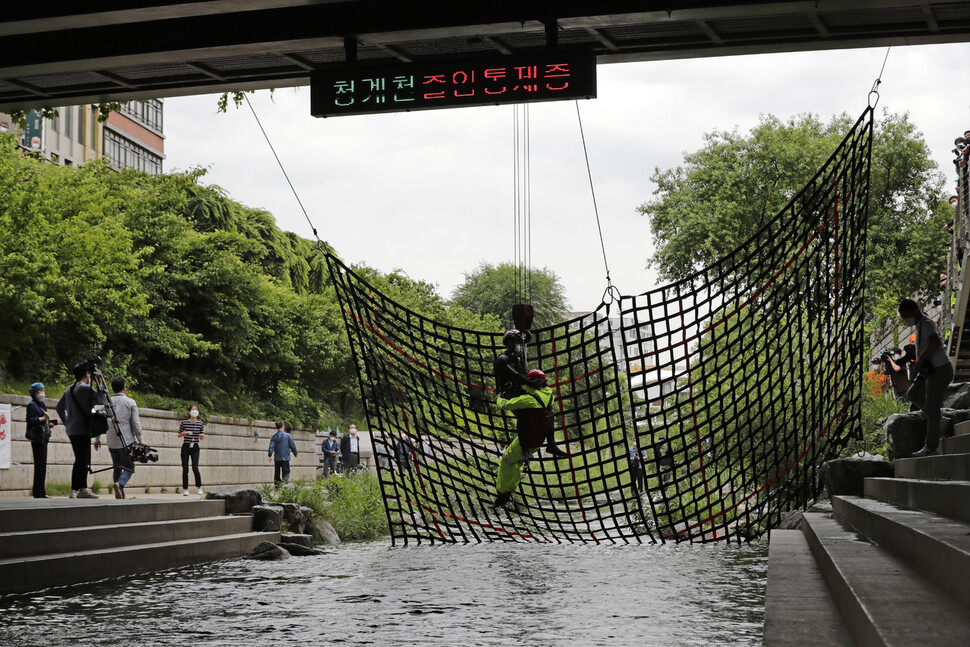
(328, 446)
(282, 444)
(510, 376)
(37, 430)
(74, 409)
(345, 452)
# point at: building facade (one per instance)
(132, 137)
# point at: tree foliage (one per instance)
(726, 191)
(192, 296)
(490, 290)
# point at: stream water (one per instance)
(375, 594)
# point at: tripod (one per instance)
(101, 389)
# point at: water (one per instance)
(375, 594)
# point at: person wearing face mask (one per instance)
(192, 432)
(39, 425)
(934, 372)
(350, 449)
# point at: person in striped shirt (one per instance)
(192, 432)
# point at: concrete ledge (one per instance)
(66, 540)
(945, 498)
(938, 548)
(799, 610)
(44, 514)
(955, 444)
(24, 575)
(954, 467)
(884, 603)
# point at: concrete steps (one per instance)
(894, 563)
(56, 542)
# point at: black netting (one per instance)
(736, 383)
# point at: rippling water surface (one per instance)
(375, 594)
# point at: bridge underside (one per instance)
(63, 52)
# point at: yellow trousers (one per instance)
(509, 468)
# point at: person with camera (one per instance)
(77, 408)
(934, 372)
(39, 425)
(191, 431)
(127, 434)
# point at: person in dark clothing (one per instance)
(330, 448)
(282, 445)
(665, 460)
(39, 425)
(76, 407)
(350, 449)
(637, 476)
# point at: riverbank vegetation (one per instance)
(353, 505)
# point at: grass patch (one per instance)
(351, 504)
(58, 488)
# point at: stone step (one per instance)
(62, 540)
(945, 498)
(44, 514)
(798, 608)
(961, 428)
(936, 547)
(955, 444)
(883, 602)
(955, 467)
(22, 575)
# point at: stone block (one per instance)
(323, 532)
(267, 550)
(267, 518)
(305, 540)
(298, 549)
(293, 516)
(957, 396)
(239, 500)
(847, 475)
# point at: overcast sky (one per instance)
(432, 192)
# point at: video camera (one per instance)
(143, 453)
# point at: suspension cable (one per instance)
(292, 188)
(878, 82)
(592, 191)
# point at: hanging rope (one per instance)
(875, 86)
(522, 203)
(592, 191)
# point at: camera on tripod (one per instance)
(143, 453)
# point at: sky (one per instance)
(431, 193)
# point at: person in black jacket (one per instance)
(350, 449)
(76, 408)
(39, 425)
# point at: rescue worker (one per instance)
(510, 371)
(534, 426)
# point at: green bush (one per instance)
(58, 488)
(353, 505)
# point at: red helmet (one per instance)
(511, 336)
(535, 374)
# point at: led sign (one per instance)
(548, 76)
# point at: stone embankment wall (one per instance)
(233, 453)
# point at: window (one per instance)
(148, 113)
(70, 116)
(123, 153)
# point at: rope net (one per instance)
(731, 386)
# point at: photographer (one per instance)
(129, 427)
(76, 409)
(898, 375)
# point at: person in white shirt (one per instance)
(934, 372)
(350, 449)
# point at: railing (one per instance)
(955, 293)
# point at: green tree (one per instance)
(490, 289)
(724, 192)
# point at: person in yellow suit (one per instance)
(534, 427)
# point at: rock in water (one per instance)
(293, 517)
(845, 475)
(299, 549)
(323, 532)
(239, 500)
(267, 518)
(269, 551)
(303, 540)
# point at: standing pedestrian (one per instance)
(330, 448)
(350, 449)
(934, 372)
(192, 432)
(636, 470)
(76, 407)
(129, 426)
(281, 444)
(39, 425)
